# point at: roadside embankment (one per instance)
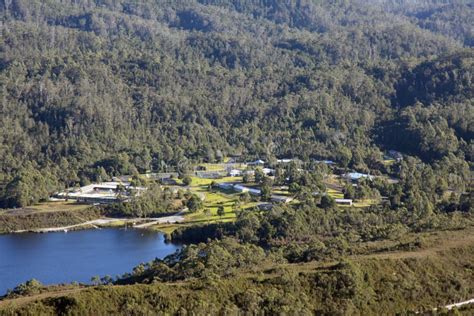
(26, 219)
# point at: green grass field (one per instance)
(213, 166)
(196, 181)
(58, 206)
(388, 162)
(335, 194)
(212, 201)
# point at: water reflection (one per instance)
(76, 256)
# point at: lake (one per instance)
(76, 256)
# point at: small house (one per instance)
(258, 162)
(268, 171)
(281, 199)
(284, 160)
(168, 181)
(249, 172)
(225, 186)
(240, 188)
(344, 202)
(395, 155)
(256, 192)
(235, 173)
(356, 176)
(265, 207)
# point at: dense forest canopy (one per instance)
(92, 89)
(130, 86)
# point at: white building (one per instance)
(344, 202)
(235, 173)
(105, 192)
(258, 162)
(268, 171)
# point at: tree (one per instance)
(143, 161)
(344, 156)
(95, 280)
(266, 191)
(349, 191)
(220, 210)
(187, 180)
(294, 188)
(259, 175)
(194, 203)
(32, 286)
(101, 174)
(327, 202)
(245, 197)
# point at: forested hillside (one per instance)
(132, 86)
(381, 89)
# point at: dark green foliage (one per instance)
(220, 258)
(95, 89)
(154, 201)
(15, 220)
(220, 210)
(103, 88)
(327, 202)
(30, 287)
(202, 233)
(194, 203)
(368, 286)
(187, 180)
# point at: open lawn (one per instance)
(389, 162)
(58, 206)
(281, 192)
(362, 203)
(221, 166)
(212, 201)
(196, 181)
(213, 166)
(335, 194)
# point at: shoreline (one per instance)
(139, 223)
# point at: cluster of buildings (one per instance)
(250, 172)
(236, 187)
(102, 193)
(120, 190)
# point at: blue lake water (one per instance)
(76, 256)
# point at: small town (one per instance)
(224, 189)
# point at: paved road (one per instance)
(178, 217)
(451, 306)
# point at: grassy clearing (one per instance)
(365, 203)
(335, 194)
(196, 181)
(389, 162)
(221, 166)
(281, 192)
(213, 166)
(114, 224)
(165, 228)
(212, 201)
(58, 206)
